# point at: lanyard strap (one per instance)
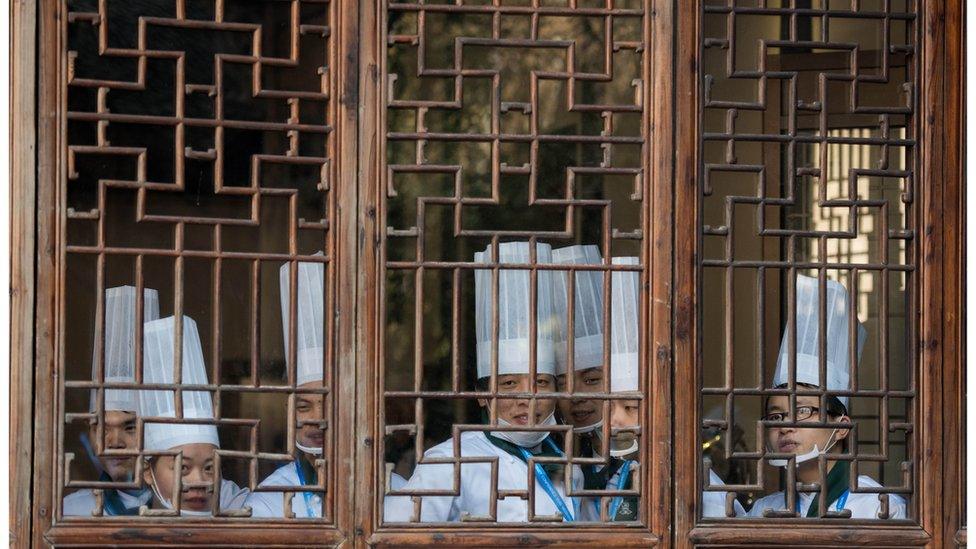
(841, 501)
(621, 482)
(543, 479)
(308, 496)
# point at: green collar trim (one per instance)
(838, 482)
(308, 472)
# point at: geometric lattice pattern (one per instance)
(504, 122)
(199, 150)
(808, 149)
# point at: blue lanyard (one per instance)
(576, 501)
(308, 496)
(543, 479)
(621, 482)
(841, 501)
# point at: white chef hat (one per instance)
(624, 327)
(309, 326)
(513, 312)
(807, 340)
(119, 347)
(159, 345)
(588, 318)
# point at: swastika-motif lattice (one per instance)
(198, 147)
(504, 121)
(808, 145)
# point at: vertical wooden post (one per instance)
(23, 172)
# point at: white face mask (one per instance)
(308, 449)
(525, 439)
(807, 456)
(617, 452)
(588, 428)
(168, 505)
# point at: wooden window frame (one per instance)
(939, 361)
(37, 164)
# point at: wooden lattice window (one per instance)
(487, 272)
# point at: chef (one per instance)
(120, 408)
(624, 445)
(585, 415)
(790, 443)
(192, 485)
(309, 406)
(586, 362)
(624, 378)
(524, 433)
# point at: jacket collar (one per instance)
(838, 482)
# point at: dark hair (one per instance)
(482, 383)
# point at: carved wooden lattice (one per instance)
(504, 122)
(808, 147)
(199, 146)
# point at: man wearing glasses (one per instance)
(787, 437)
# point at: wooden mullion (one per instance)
(686, 322)
(368, 410)
(658, 247)
(929, 438)
(23, 192)
(48, 280)
(954, 469)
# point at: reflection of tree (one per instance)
(474, 117)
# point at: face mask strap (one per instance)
(169, 505)
(155, 489)
(803, 458)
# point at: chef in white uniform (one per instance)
(808, 446)
(121, 406)
(309, 434)
(585, 415)
(511, 447)
(196, 442)
(624, 378)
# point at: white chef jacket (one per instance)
(864, 505)
(713, 503)
(82, 502)
(272, 504)
(475, 486)
(232, 496)
(392, 503)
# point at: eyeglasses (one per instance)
(803, 413)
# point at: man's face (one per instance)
(197, 475)
(309, 408)
(516, 410)
(624, 414)
(120, 434)
(799, 440)
(581, 413)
